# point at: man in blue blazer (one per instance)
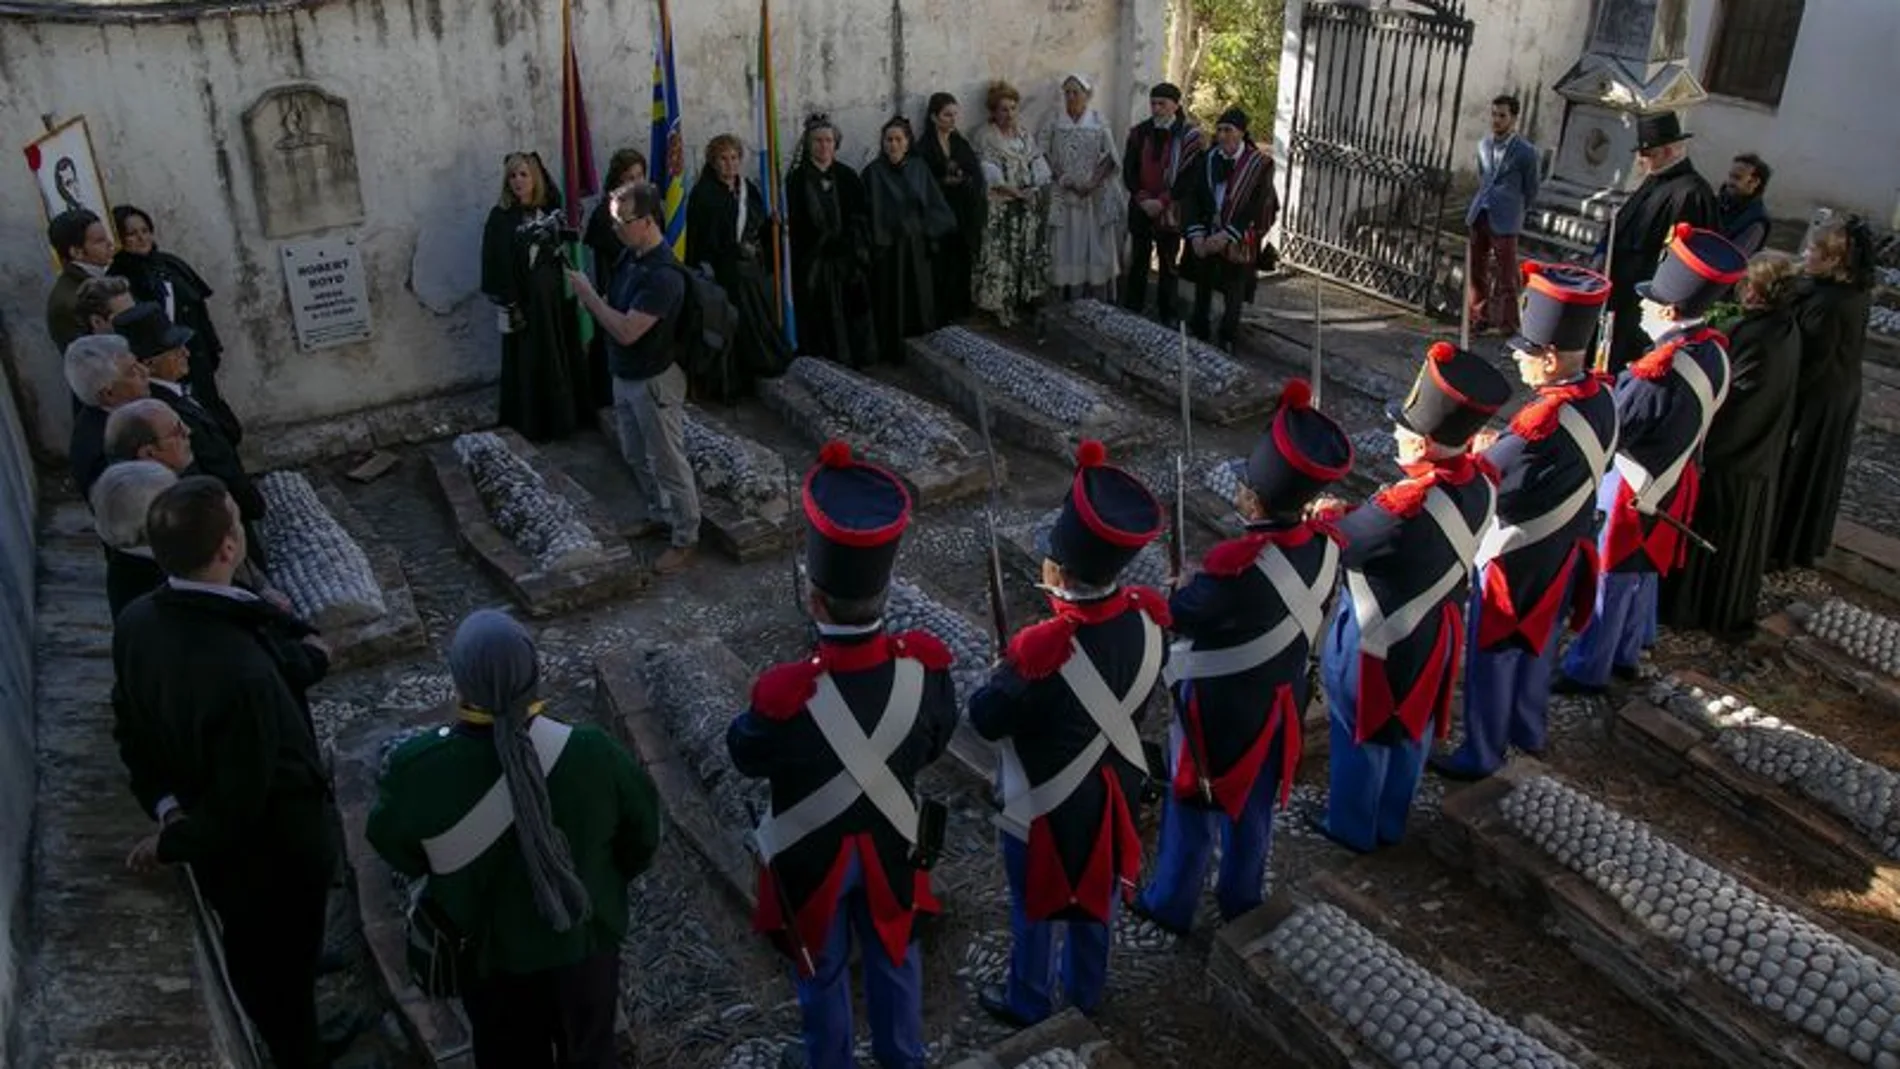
(1507, 184)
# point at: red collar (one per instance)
(1098, 611)
(1661, 360)
(836, 656)
(1455, 470)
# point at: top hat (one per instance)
(1455, 393)
(1106, 518)
(857, 512)
(1561, 306)
(1697, 267)
(149, 331)
(1302, 452)
(1655, 131)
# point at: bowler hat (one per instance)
(149, 331)
(1655, 131)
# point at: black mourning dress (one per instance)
(546, 390)
(909, 218)
(959, 176)
(740, 256)
(831, 250)
(1833, 321)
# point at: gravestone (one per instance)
(1636, 64)
(303, 161)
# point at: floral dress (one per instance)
(1012, 268)
(1085, 229)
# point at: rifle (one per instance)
(1606, 321)
(999, 611)
(799, 600)
(1177, 548)
(785, 906)
(1318, 376)
(1464, 304)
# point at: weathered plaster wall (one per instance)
(1835, 138)
(438, 92)
(18, 777)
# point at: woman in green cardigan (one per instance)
(535, 877)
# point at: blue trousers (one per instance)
(893, 993)
(1032, 953)
(1187, 842)
(1623, 627)
(1372, 785)
(1507, 695)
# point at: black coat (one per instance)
(969, 200)
(215, 454)
(129, 577)
(1741, 478)
(86, 449)
(1643, 224)
(208, 707)
(741, 262)
(547, 387)
(909, 219)
(1832, 317)
(155, 275)
(830, 232)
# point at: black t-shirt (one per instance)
(650, 283)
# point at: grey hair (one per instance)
(92, 365)
(134, 426)
(123, 496)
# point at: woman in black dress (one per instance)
(627, 166)
(830, 231)
(1832, 312)
(909, 220)
(545, 387)
(1741, 459)
(959, 174)
(727, 232)
(165, 279)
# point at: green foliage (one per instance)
(1724, 314)
(1234, 59)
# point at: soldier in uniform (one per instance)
(1539, 554)
(1665, 403)
(1065, 703)
(842, 735)
(1246, 627)
(1393, 647)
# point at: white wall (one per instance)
(18, 774)
(1520, 49)
(1835, 139)
(439, 90)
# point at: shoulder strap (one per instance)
(471, 836)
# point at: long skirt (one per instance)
(1717, 593)
(1812, 477)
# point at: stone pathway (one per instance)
(111, 979)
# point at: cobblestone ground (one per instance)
(699, 989)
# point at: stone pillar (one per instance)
(1635, 65)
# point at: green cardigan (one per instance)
(600, 799)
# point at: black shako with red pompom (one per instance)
(1455, 393)
(1107, 517)
(1302, 452)
(1562, 304)
(1697, 268)
(857, 513)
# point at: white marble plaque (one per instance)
(329, 303)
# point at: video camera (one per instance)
(547, 230)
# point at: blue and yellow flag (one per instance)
(668, 151)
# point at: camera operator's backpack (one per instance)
(708, 325)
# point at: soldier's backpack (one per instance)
(703, 338)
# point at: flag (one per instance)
(578, 178)
(771, 182)
(668, 152)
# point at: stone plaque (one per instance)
(329, 303)
(303, 161)
(1599, 147)
(1642, 31)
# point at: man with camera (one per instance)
(640, 316)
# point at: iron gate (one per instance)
(1374, 132)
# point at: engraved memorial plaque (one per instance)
(329, 304)
(303, 161)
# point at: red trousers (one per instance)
(1492, 297)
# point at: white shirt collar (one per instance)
(177, 388)
(849, 630)
(232, 592)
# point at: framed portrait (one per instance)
(67, 173)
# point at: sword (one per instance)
(799, 600)
(999, 611)
(1318, 378)
(1464, 304)
(1177, 549)
(1681, 528)
(785, 907)
(1606, 321)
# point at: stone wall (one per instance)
(186, 123)
(18, 776)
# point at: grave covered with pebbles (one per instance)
(940, 458)
(744, 488)
(1135, 350)
(1021, 547)
(1031, 403)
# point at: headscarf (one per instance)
(493, 665)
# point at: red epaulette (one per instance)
(1232, 558)
(1654, 365)
(783, 689)
(1040, 650)
(924, 648)
(1538, 420)
(1403, 499)
(1150, 601)
(1487, 469)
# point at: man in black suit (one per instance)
(84, 246)
(160, 345)
(209, 716)
(102, 374)
(1672, 192)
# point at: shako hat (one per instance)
(1302, 452)
(1106, 518)
(1455, 393)
(149, 331)
(1662, 128)
(1697, 267)
(857, 512)
(1562, 304)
